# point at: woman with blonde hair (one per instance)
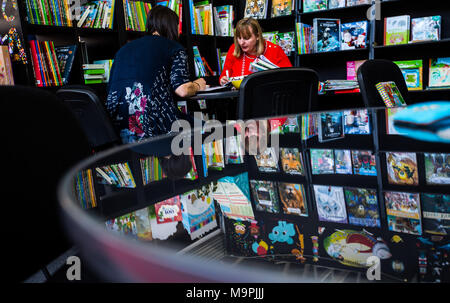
(249, 44)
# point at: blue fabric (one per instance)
(143, 78)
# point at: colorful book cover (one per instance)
(354, 35)
(284, 125)
(425, 28)
(143, 224)
(352, 69)
(234, 151)
(362, 207)
(65, 56)
(390, 112)
(291, 161)
(282, 7)
(286, 42)
(356, 122)
(437, 168)
(331, 126)
(328, 37)
(412, 72)
(222, 16)
(364, 163)
(314, 5)
(403, 212)
(265, 196)
(396, 30)
(390, 94)
(198, 212)
(256, 9)
(336, 4)
(322, 161)
(168, 210)
(402, 168)
(330, 203)
(267, 161)
(271, 36)
(293, 199)
(343, 161)
(439, 75)
(357, 2)
(125, 225)
(233, 196)
(436, 213)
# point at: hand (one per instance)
(201, 83)
(224, 80)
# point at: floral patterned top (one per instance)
(143, 78)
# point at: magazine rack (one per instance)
(301, 236)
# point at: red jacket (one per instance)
(240, 66)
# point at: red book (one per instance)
(35, 61)
(168, 210)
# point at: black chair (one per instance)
(91, 114)
(41, 141)
(374, 71)
(278, 92)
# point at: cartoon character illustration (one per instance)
(255, 9)
(396, 239)
(291, 160)
(292, 198)
(261, 248)
(298, 252)
(352, 248)
(402, 168)
(281, 7)
(239, 228)
(282, 233)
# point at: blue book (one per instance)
(354, 35)
(65, 56)
(328, 35)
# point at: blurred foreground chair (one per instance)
(91, 115)
(374, 71)
(41, 141)
(278, 92)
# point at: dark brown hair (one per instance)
(163, 20)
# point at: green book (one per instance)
(412, 72)
(396, 30)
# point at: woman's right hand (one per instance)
(201, 83)
(224, 80)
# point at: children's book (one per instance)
(343, 161)
(425, 28)
(328, 34)
(282, 7)
(65, 56)
(403, 212)
(436, 213)
(336, 4)
(291, 161)
(402, 168)
(143, 224)
(233, 195)
(352, 69)
(223, 19)
(362, 207)
(271, 36)
(412, 72)
(364, 163)
(267, 161)
(286, 42)
(168, 210)
(125, 225)
(357, 2)
(322, 161)
(437, 168)
(265, 196)
(396, 30)
(354, 35)
(356, 122)
(234, 153)
(331, 126)
(198, 212)
(390, 94)
(256, 9)
(439, 75)
(330, 203)
(314, 5)
(285, 125)
(390, 112)
(293, 199)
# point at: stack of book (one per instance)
(151, 170)
(262, 63)
(84, 189)
(201, 14)
(119, 175)
(48, 12)
(45, 63)
(202, 68)
(97, 72)
(177, 7)
(97, 14)
(317, 5)
(336, 85)
(136, 15)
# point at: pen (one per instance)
(228, 76)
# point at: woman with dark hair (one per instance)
(145, 74)
(248, 45)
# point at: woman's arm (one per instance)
(189, 89)
(179, 76)
(228, 67)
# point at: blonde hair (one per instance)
(245, 28)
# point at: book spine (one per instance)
(30, 17)
(110, 24)
(35, 64)
(41, 58)
(55, 60)
(52, 9)
(48, 12)
(49, 63)
(67, 13)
